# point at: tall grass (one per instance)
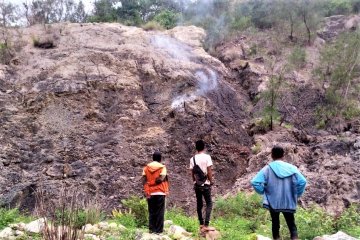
(66, 217)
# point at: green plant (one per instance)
(126, 218)
(313, 222)
(349, 221)
(298, 57)
(338, 73)
(8, 216)
(66, 216)
(167, 19)
(178, 216)
(240, 23)
(138, 208)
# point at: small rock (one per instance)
(19, 233)
(103, 225)
(260, 237)
(91, 229)
(6, 233)
(212, 235)
(91, 237)
(337, 236)
(177, 232)
(113, 226)
(168, 223)
(149, 236)
(35, 226)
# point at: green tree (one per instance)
(104, 11)
(166, 19)
(339, 72)
(271, 97)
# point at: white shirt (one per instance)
(204, 161)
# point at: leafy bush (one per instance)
(138, 208)
(125, 218)
(349, 221)
(167, 19)
(241, 23)
(8, 216)
(79, 217)
(298, 57)
(337, 7)
(313, 222)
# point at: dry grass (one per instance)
(66, 217)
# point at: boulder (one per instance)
(35, 226)
(178, 232)
(337, 236)
(91, 229)
(6, 233)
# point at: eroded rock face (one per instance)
(335, 25)
(89, 113)
(329, 163)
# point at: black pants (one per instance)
(290, 221)
(206, 194)
(156, 206)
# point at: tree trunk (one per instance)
(307, 28)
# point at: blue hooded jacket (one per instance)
(281, 184)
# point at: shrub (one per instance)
(349, 221)
(8, 216)
(313, 222)
(138, 208)
(66, 216)
(241, 23)
(167, 19)
(298, 57)
(125, 218)
(152, 26)
(6, 54)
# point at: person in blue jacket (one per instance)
(281, 184)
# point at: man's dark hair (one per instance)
(157, 156)
(277, 152)
(199, 145)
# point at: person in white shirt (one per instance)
(202, 184)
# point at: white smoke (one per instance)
(207, 81)
(173, 47)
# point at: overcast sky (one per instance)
(88, 3)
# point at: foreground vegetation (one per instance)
(236, 217)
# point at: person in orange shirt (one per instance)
(156, 188)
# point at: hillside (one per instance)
(88, 112)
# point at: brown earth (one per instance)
(88, 112)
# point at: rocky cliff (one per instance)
(87, 107)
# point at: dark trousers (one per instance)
(290, 221)
(156, 206)
(206, 194)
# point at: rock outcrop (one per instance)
(88, 112)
